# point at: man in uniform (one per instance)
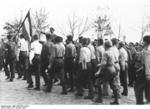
(46, 57)
(123, 61)
(35, 53)
(107, 73)
(143, 74)
(70, 61)
(57, 65)
(93, 59)
(11, 56)
(115, 51)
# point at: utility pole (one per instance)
(119, 32)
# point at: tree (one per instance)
(40, 21)
(13, 27)
(102, 23)
(103, 26)
(77, 26)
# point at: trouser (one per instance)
(6, 68)
(36, 69)
(108, 74)
(70, 70)
(23, 61)
(29, 75)
(142, 84)
(93, 69)
(57, 71)
(11, 63)
(123, 77)
(44, 67)
(131, 74)
(85, 77)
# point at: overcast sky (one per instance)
(129, 13)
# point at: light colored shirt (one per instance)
(93, 52)
(36, 48)
(23, 45)
(115, 52)
(85, 55)
(109, 58)
(145, 60)
(123, 55)
(100, 50)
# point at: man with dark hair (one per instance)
(93, 61)
(57, 66)
(23, 57)
(100, 50)
(115, 51)
(11, 56)
(107, 73)
(46, 55)
(70, 62)
(123, 62)
(143, 74)
(85, 74)
(35, 53)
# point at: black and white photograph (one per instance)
(74, 52)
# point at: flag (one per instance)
(27, 27)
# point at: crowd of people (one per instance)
(101, 66)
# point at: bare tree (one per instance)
(76, 26)
(40, 20)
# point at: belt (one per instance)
(70, 57)
(37, 55)
(23, 51)
(58, 57)
(116, 62)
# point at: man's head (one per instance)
(114, 41)
(100, 41)
(52, 30)
(21, 36)
(58, 39)
(80, 39)
(9, 37)
(121, 44)
(35, 37)
(69, 38)
(146, 40)
(48, 36)
(107, 44)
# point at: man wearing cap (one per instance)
(107, 73)
(35, 53)
(123, 61)
(70, 61)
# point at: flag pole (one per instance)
(22, 24)
(24, 20)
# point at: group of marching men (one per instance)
(99, 66)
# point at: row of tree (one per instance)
(76, 26)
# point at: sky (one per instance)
(130, 14)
